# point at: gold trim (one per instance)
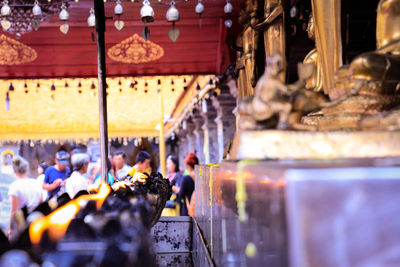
(135, 50)
(13, 52)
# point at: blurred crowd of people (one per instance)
(70, 174)
(74, 173)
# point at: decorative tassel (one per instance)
(7, 101)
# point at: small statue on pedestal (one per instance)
(271, 105)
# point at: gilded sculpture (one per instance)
(271, 106)
(370, 85)
(271, 27)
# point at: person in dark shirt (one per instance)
(186, 189)
(55, 176)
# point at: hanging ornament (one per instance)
(118, 11)
(228, 8)
(146, 33)
(199, 9)
(5, 9)
(64, 16)
(119, 24)
(11, 87)
(7, 101)
(5, 24)
(5, 12)
(36, 10)
(91, 19)
(173, 16)
(35, 24)
(93, 86)
(147, 12)
(228, 23)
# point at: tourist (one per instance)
(97, 174)
(55, 176)
(121, 168)
(142, 163)
(186, 190)
(41, 169)
(24, 191)
(173, 174)
(77, 181)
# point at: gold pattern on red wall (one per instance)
(135, 50)
(13, 52)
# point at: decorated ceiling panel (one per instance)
(49, 109)
(202, 46)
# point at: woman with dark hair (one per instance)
(187, 185)
(174, 175)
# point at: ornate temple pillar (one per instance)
(225, 119)
(199, 133)
(189, 127)
(183, 145)
(209, 127)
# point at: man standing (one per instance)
(142, 163)
(121, 168)
(55, 176)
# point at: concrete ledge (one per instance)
(274, 144)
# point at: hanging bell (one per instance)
(36, 10)
(64, 15)
(118, 9)
(199, 9)
(91, 19)
(228, 8)
(5, 9)
(172, 13)
(147, 12)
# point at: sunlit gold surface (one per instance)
(328, 39)
(56, 223)
(388, 23)
(315, 82)
(274, 34)
(72, 112)
(273, 144)
(135, 50)
(13, 52)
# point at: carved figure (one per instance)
(270, 106)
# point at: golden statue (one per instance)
(315, 82)
(372, 81)
(274, 29)
(326, 15)
(246, 47)
(270, 106)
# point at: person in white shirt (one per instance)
(24, 191)
(121, 169)
(77, 181)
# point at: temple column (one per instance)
(210, 147)
(225, 119)
(199, 133)
(182, 146)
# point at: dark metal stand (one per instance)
(101, 68)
